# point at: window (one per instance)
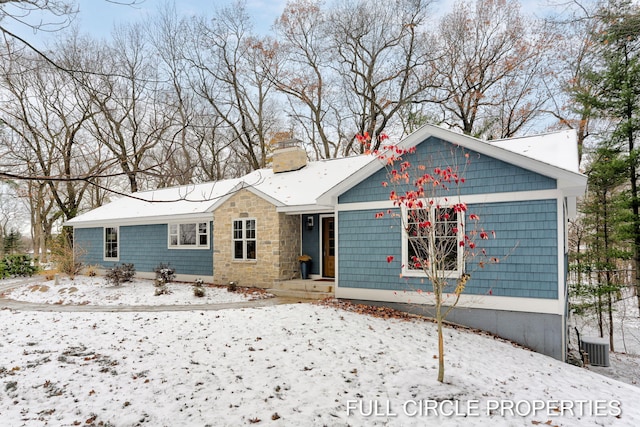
(244, 239)
(433, 236)
(190, 235)
(111, 243)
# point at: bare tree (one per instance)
(384, 61)
(124, 90)
(305, 72)
(569, 87)
(227, 74)
(490, 68)
(44, 117)
(178, 159)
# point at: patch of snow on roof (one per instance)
(182, 200)
(559, 149)
(295, 188)
(304, 186)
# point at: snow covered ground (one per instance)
(625, 361)
(626, 324)
(297, 364)
(94, 290)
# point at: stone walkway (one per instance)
(6, 303)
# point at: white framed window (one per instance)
(433, 235)
(244, 239)
(111, 241)
(191, 235)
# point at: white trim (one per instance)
(406, 271)
(244, 240)
(275, 202)
(469, 199)
(244, 186)
(104, 243)
(563, 238)
(304, 209)
(485, 302)
(197, 246)
(572, 207)
(165, 219)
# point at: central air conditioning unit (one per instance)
(597, 350)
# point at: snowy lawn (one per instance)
(289, 365)
(95, 291)
(625, 361)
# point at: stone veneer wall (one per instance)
(278, 243)
(288, 159)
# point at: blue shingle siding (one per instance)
(145, 246)
(483, 174)
(526, 245)
(311, 242)
(363, 246)
(89, 245)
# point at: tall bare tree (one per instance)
(125, 91)
(305, 72)
(573, 55)
(227, 73)
(44, 139)
(385, 61)
(491, 68)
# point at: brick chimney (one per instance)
(288, 155)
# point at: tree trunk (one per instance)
(440, 337)
(610, 308)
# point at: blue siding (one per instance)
(145, 246)
(526, 244)
(483, 174)
(311, 242)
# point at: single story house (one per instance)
(252, 229)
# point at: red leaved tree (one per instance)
(440, 233)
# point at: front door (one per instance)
(328, 247)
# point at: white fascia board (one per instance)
(575, 190)
(305, 209)
(165, 219)
(239, 186)
(243, 186)
(277, 203)
(572, 207)
(486, 302)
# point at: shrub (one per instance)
(198, 288)
(17, 266)
(198, 291)
(91, 270)
(162, 290)
(64, 256)
(120, 274)
(164, 274)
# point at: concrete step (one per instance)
(304, 285)
(287, 293)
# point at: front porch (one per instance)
(314, 289)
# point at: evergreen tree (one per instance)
(617, 75)
(11, 242)
(605, 218)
